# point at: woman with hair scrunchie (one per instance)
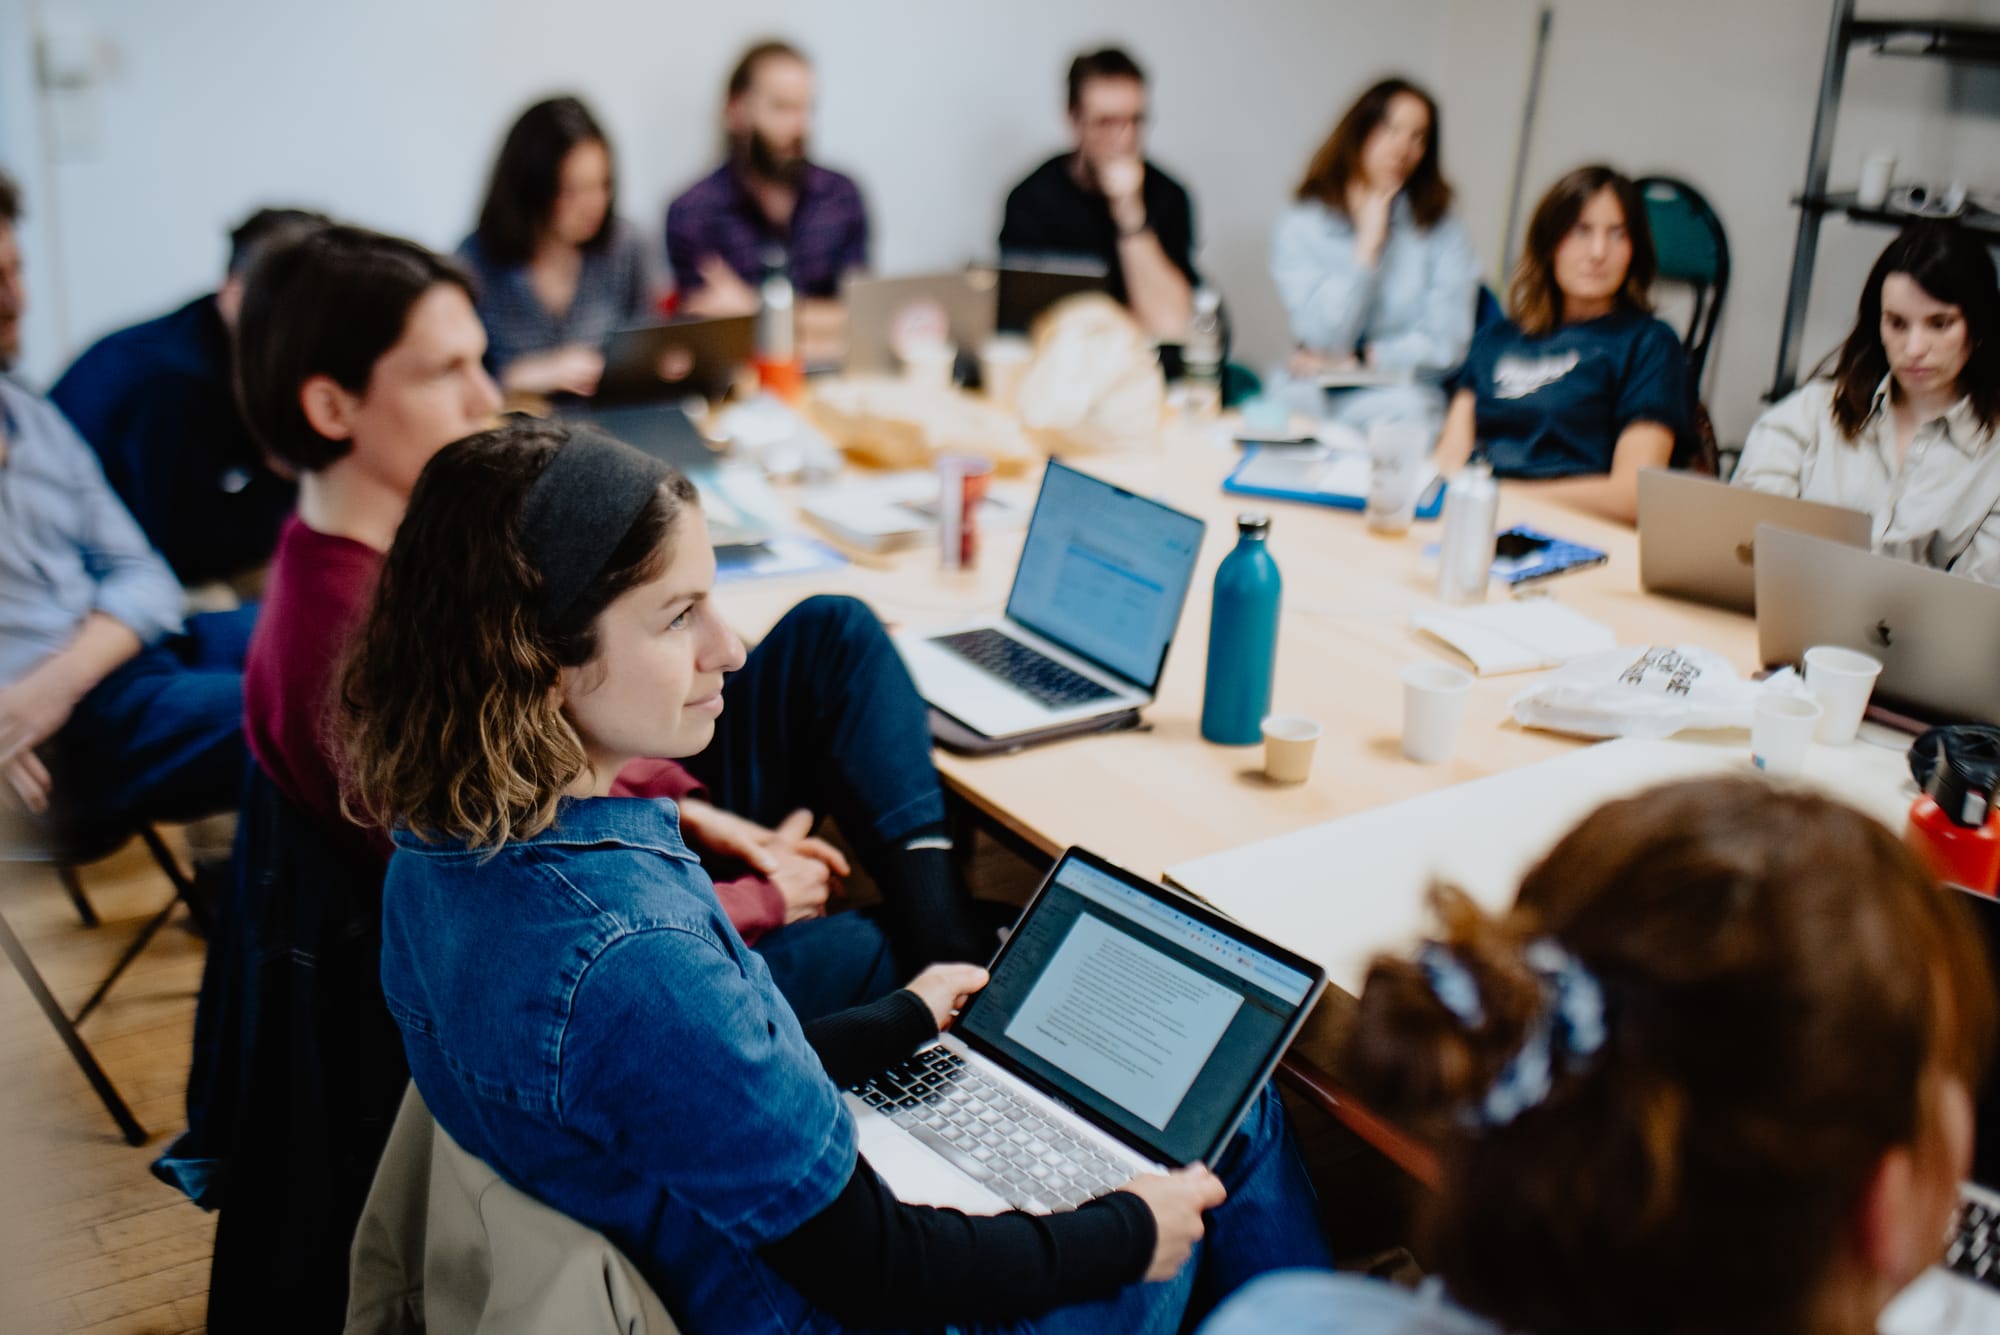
(1711, 1073)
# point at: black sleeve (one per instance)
(1175, 229)
(869, 1258)
(856, 1043)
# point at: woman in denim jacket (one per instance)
(578, 1011)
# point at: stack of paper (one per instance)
(1516, 636)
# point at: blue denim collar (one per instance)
(651, 824)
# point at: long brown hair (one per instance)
(1534, 302)
(1782, 982)
(1338, 160)
(527, 180)
(448, 700)
(1951, 265)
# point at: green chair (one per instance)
(1693, 251)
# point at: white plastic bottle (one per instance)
(1471, 514)
(1201, 356)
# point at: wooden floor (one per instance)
(89, 1240)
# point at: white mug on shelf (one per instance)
(1878, 172)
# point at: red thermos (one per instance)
(1953, 824)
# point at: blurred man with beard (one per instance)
(768, 202)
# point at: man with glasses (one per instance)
(1103, 201)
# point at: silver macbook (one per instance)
(1125, 1029)
(957, 307)
(1096, 599)
(1937, 634)
(1697, 536)
(1962, 1294)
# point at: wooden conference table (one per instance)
(1151, 799)
(1163, 798)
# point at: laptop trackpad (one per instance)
(914, 1173)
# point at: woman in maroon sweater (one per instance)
(361, 357)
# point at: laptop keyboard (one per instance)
(979, 1125)
(1023, 668)
(1975, 1247)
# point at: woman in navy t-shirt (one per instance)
(1580, 387)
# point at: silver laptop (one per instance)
(1937, 634)
(1962, 1294)
(1096, 599)
(1125, 1029)
(881, 312)
(1697, 536)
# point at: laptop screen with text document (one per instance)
(1104, 573)
(1116, 1001)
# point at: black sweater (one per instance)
(869, 1258)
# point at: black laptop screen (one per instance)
(1114, 1000)
(1985, 910)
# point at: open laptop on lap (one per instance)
(1697, 536)
(1962, 1295)
(1098, 594)
(1125, 1029)
(1937, 635)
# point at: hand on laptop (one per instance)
(1177, 1200)
(571, 369)
(947, 987)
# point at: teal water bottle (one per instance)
(1242, 637)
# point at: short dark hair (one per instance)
(266, 226)
(1953, 266)
(1339, 158)
(330, 303)
(10, 199)
(527, 176)
(745, 73)
(1110, 63)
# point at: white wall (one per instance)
(388, 111)
(1722, 94)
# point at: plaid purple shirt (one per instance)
(716, 216)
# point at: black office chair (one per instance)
(25, 842)
(1692, 250)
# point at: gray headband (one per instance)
(578, 511)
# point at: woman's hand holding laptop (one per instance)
(1177, 1200)
(946, 987)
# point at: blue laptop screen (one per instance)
(1104, 573)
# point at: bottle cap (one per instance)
(1253, 524)
(1963, 791)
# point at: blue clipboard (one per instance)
(1286, 474)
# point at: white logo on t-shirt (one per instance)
(1518, 377)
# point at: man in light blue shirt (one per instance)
(110, 703)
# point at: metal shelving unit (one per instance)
(1948, 40)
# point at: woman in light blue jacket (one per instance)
(1377, 275)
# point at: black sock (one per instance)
(927, 912)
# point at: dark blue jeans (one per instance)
(823, 715)
(161, 738)
(1270, 1222)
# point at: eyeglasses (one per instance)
(1101, 124)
